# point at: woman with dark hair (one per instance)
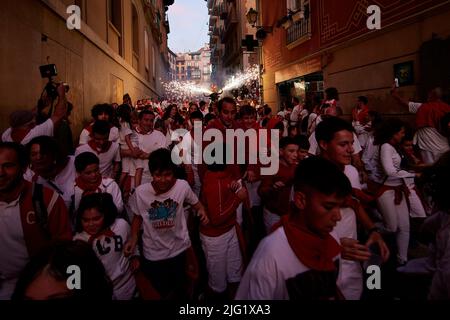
(171, 120)
(66, 270)
(393, 193)
(51, 167)
(98, 224)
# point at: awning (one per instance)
(299, 69)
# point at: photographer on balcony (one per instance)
(23, 126)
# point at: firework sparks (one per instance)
(185, 89)
(242, 78)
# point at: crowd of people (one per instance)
(346, 195)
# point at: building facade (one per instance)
(319, 43)
(228, 26)
(121, 47)
(194, 66)
(172, 66)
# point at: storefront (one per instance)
(303, 80)
(305, 88)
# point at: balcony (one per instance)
(298, 33)
(223, 11)
(231, 18)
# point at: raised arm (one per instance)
(396, 96)
(61, 107)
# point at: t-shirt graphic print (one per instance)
(162, 214)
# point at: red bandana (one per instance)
(89, 188)
(91, 143)
(314, 252)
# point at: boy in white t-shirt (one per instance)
(108, 152)
(158, 209)
(298, 260)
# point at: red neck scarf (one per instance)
(88, 188)
(91, 143)
(314, 252)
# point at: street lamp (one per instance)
(252, 16)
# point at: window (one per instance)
(147, 56)
(153, 63)
(135, 28)
(115, 14)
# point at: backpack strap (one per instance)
(40, 210)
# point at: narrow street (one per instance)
(218, 151)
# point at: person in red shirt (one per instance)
(275, 190)
(221, 237)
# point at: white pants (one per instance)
(416, 209)
(396, 219)
(223, 259)
(270, 219)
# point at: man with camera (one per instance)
(23, 126)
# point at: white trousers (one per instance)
(223, 259)
(416, 209)
(396, 219)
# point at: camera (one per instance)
(49, 71)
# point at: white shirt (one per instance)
(44, 129)
(124, 131)
(389, 170)
(62, 183)
(350, 278)
(272, 264)
(113, 135)
(148, 143)
(107, 158)
(165, 228)
(368, 154)
(295, 114)
(190, 147)
(14, 253)
(428, 138)
(110, 252)
(313, 120)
